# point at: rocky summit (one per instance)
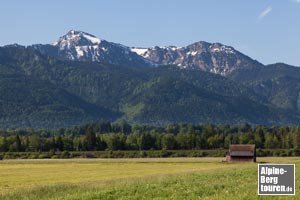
(211, 57)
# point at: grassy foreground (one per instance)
(171, 178)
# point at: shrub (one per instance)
(9, 155)
(64, 154)
(33, 156)
(75, 155)
(164, 153)
(44, 156)
(295, 152)
(54, 157)
(90, 155)
(142, 154)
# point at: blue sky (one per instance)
(266, 30)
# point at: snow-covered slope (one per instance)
(81, 46)
(212, 57)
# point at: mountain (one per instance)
(41, 91)
(174, 95)
(278, 84)
(81, 46)
(29, 102)
(52, 86)
(29, 99)
(212, 57)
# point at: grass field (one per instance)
(165, 178)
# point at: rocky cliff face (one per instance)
(212, 57)
(81, 46)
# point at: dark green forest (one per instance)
(167, 109)
(106, 136)
(39, 91)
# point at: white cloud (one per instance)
(265, 12)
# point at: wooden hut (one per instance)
(241, 153)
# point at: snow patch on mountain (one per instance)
(171, 48)
(77, 38)
(80, 51)
(92, 39)
(193, 53)
(81, 46)
(139, 51)
(212, 57)
(222, 48)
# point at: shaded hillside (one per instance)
(277, 84)
(67, 93)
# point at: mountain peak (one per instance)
(81, 46)
(212, 57)
(212, 47)
(218, 47)
(78, 38)
(73, 32)
(79, 33)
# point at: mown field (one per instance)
(145, 178)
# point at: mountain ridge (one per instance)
(81, 46)
(213, 57)
(53, 92)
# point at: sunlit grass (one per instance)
(171, 178)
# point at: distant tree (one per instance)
(146, 141)
(59, 143)
(15, 144)
(115, 141)
(168, 141)
(288, 142)
(296, 138)
(34, 143)
(125, 127)
(67, 144)
(276, 143)
(90, 137)
(181, 140)
(18, 143)
(103, 127)
(61, 131)
(215, 141)
(268, 141)
(208, 130)
(172, 128)
(271, 141)
(246, 128)
(3, 144)
(132, 142)
(259, 137)
(26, 143)
(53, 144)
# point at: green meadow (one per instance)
(145, 178)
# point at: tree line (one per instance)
(123, 136)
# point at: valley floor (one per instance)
(145, 178)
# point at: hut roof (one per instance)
(242, 150)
